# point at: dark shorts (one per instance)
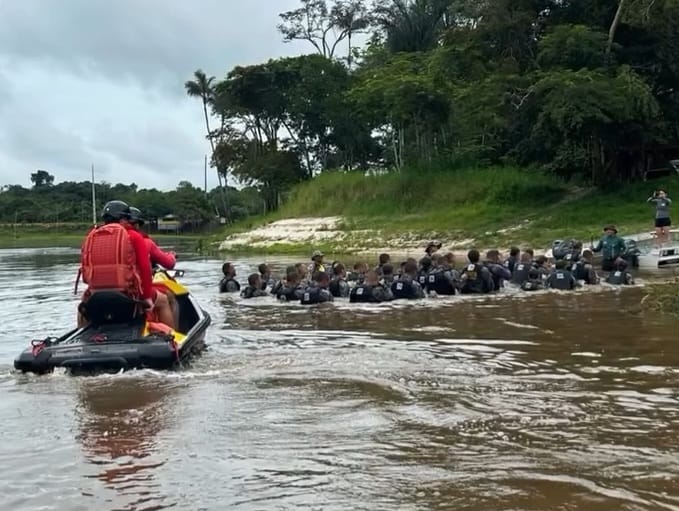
(663, 222)
(607, 264)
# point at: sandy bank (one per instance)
(332, 233)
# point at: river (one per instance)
(517, 402)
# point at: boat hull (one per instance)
(660, 259)
(119, 346)
(111, 349)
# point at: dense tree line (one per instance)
(68, 201)
(586, 89)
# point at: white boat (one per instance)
(654, 257)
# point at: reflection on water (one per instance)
(522, 402)
(119, 421)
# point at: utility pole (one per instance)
(94, 200)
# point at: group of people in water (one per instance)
(119, 256)
(569, 267)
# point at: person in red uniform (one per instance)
(95, 254)
(158, 257)
(164, 305)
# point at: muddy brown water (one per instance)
(545, 401)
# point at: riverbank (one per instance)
(482, 208)
(661, 297)
(71, 236)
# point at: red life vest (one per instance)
(108, 261)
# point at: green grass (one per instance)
(462, 204)
(70, 235)
(662, 297)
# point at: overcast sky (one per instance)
(102, 82)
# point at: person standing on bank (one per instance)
(662, 215)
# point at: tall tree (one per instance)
(614, 26)
(325, 27)
(583, 88)
(41, 179)
(412, 25)
(201, 87)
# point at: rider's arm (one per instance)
(143, 258)
(166, 259)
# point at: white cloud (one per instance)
(101, 82)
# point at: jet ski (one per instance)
(119, 338)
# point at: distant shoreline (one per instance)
(71, 236)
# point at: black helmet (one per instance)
(136, 216)
(114, 211)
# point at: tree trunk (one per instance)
(394, 145)
(307, 159)
(349, 55)
(614, 26)
(600, 166)
(401, 145)
(222, 192)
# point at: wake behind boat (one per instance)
(118, 339)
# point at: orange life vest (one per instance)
(108, 261)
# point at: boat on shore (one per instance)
(650, 255)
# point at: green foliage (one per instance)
(412, 26)
(571, 88)
(71, 202)
(572, 47)
(587, 115)
(42, 178)
(400, 98)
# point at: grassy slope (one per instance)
(474, 203)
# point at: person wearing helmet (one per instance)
(620, 276)
(432, 247)
(158, 257)
(316, 263)
(164, 306)
(138, 282)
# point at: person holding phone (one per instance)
(662, 215)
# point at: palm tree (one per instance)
(201, 87)
(412, 25)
